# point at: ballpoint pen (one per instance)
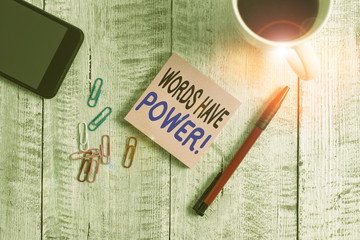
(213, 190)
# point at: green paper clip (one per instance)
(96, 98)
(93, 122)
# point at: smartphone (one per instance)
(36, 48)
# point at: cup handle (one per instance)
(303, 61)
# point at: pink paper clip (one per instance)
(81, 154)
(87, 170)
(85, 160)
(93, 170)
(102, 150)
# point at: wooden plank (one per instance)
(126, 44)
(259, 201)
(64, 199)
(329, 202)
(20, 164)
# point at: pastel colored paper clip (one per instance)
(128, 148)
(102, 149)
(83, 137)
(97, 124)
(89, 168)
(94, 152)
(91, 175)
(93, 98)
(86, 159)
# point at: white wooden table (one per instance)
(301, 180)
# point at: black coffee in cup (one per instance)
(279, 20)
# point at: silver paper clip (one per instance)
(93, 98)
(83, 137)
(94, 121)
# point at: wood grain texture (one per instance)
(126, 43)
(329, 202)
(133, 44)
(20, 162)
(259, 201)
(65, 200)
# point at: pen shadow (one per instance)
(201, 193)
(226, 159)
(248, 128)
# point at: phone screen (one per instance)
(28, 42)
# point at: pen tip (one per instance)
(282, 94)
(272, 108)
(286, 89)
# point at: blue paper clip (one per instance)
(97, 124)
(96, 98)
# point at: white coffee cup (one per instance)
(303, 60)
